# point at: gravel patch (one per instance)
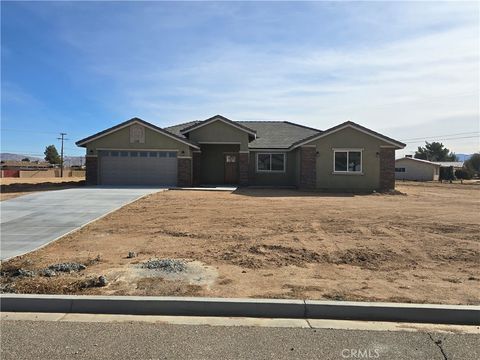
(67, 267)
(166, 265)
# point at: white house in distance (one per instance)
(409, 168)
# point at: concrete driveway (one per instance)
(33, 220)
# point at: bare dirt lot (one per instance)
(13, 187)
(419, 246)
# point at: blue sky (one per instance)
(408, 70)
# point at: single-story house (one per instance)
(457, 165)
(346, 157)
(409, 168)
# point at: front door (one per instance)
(231, 168)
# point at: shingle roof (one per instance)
(175, 129)
(270, 134)
(277, 134)
(353, 125)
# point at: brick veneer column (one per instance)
(91, 170)
(184, 169)
(243, 168)
(387, 169)
(197, 165)
(308, 168)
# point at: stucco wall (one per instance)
(348, 138)
(218, 131)
(121, 140)
(287, 178)
(416, 170)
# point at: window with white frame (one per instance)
(400, 169)
(347, 161)
(271, 162)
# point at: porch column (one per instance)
(197, 165)
(184, 169)
(243, 168)
(308, 167)
(91, 169)
(387, 169)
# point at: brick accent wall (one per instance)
(387, 169)
(197, 166)
(91, 166)
(308, 168)
(243, 168)
(184, 168)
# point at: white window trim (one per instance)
(271, 153)
(347, 172)
(401, 172)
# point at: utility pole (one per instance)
(62, 138)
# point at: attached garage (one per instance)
(138, 167)
(136, 152)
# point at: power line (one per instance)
(62, 138)
(428, 137)
(29, 131)
(444, 139)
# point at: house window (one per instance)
(347, 161)
(230, 158)
(400, 170)
(274, 162)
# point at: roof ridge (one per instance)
(216, 117)
(303, 126)
(181, 124)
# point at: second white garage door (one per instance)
(138, 168)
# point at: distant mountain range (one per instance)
(68, 161)
(463, 157)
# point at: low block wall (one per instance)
(9, 173)
(37, 173)
(50, 173)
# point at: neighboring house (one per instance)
(347, 157)
(455, 164)
(409, 168)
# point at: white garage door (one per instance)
(138, 167)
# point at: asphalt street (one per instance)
(138, 340)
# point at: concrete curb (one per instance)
(261, 308)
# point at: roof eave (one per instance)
(219, 118)
(396, 144)
(83, 142)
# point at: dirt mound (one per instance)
(264, 256)
(458, 255)
(372, 259)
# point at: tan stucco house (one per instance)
(347, 157)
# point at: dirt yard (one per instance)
(13, 187)
(418, 246)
